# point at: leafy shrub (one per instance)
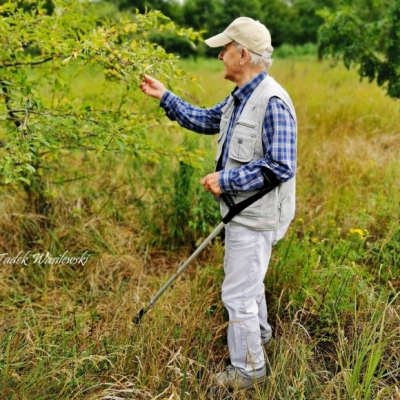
(174, 44)
(289, 51)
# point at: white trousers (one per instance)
(247, 254)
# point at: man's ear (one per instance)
(244, 56)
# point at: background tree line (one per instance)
(292, 22)
(361, 33)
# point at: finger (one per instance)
(149, 78)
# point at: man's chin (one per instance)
(227, 77)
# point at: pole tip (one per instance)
(136, 320)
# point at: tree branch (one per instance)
(7, 99)
(21, 63)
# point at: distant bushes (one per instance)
(186, 49)
(174, 44)
(290, 51)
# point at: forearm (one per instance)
(250, 177)
(191, 117)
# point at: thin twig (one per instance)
(21, 63)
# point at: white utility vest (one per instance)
(277, 207)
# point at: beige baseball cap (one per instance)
(247, 32)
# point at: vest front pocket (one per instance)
(242, 145)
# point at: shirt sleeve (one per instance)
(194, 118)
(279, 142)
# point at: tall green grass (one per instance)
(332, 285)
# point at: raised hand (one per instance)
(152, 87)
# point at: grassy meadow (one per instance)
(332, 285)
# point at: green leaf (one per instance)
(121, 144)
(23, 179)
(30, 168)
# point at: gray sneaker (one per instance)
(229, 378)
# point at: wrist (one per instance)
(161, 94)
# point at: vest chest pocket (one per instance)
(243, 142)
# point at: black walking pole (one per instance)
(270, 183)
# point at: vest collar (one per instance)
(243, 93)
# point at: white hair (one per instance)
(256, 59)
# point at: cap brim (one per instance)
(218, 40)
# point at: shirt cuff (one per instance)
(168, 102)
(225, 177)
(240, 179)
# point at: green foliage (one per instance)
(44, 55)
(181, 212)
(297, 23)
(384, 258)
(364, 363)
(322, 275)
(181, 202)
(174, 44)
(293, 23)
(170, 8)
(372, 46)
(290, 51)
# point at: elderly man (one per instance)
(257, 129)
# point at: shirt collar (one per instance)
(241, 94)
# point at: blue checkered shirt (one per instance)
(279, 135)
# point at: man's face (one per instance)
(231, 58)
